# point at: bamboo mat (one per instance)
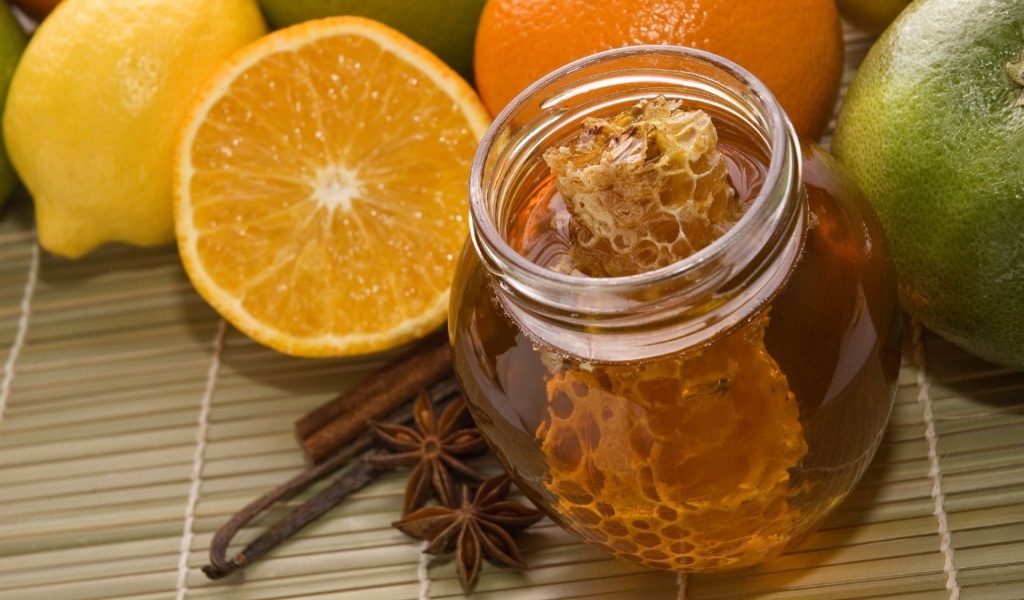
(134, 422)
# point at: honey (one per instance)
(702, 412)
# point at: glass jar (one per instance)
(707, 414)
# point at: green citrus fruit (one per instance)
(933, 130)
(12, 44)
(872, 16)
(446, 28)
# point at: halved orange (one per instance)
(320, 188)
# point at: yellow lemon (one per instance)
(94, 107)
(320, 187)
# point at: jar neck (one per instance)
(682, 305)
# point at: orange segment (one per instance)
(320, 187)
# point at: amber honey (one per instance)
(716, 454)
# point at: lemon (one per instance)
(872, 16)
(94, 107)
(445, 28)
(320, 187)
(933, 131)
(12, 44)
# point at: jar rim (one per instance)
(762, 206)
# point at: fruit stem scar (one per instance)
(1015, 71)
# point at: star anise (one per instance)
(481, 526)
(433, 448)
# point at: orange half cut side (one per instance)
(321, 187)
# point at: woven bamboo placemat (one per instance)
(134, 422)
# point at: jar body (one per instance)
(714, 455)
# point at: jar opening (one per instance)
(549, 113)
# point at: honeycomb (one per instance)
(644, 188)
(682, 462)
(678, 464)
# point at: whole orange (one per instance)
(794, 46)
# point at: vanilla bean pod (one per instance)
(353, 479)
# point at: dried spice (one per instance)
(433, 448)
(354, 479)
(359, 472)
(331, 426)
(480, 526)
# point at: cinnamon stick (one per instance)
(338, 422)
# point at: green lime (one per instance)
(446, 28)
(12, 44)
(933, 131)
(872, 16)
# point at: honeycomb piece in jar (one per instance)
(644, 188)
(680, 464)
